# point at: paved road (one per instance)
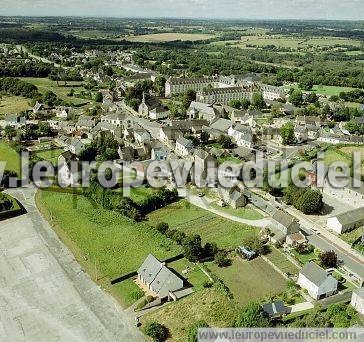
(42, 59)
(44, 294)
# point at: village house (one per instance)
(275, 309)
(159, 279)
(203, 111)
(14, 120)
(272, 133)
(85, 122)
(357, 300)
(285, 224)
(296, 239)
(316, 281)
(346, 221)
(63, 112)
(242, 135)
(184, 147)
(169, 134)
(69, 169)
(272, 93)
(233, 196)
(141, 136)
(301, 134)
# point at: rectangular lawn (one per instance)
(10, 156)
(193, 220)
(250, 280)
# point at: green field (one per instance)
(281, 261)
(169, 37)
(209, 305)
(51, 155)
(250, 280)
(13, 105)
(245, 213)
(193, 220)
(326, 90)
(45, 84)
(104, 242)
(332, 155)
(11, 158)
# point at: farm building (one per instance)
(275, 310)
(346, 221)
(357, 300)
(246, 253)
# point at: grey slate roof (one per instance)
(275, 308)
(284, 218)
(161, 279)
(314, 273)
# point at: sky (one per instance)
(228, 9)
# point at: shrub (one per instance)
(162, 227)
(156, 331)
(328, 259)
(193, 330)
(221, 259)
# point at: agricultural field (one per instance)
(280, 260)
(62, 91)
(13, 105)
(169, 37)
(11, 157)
(100, 239)
(326, 90)
(292, 42)
(209, 305)
(193, 220)
(50, 155)
(333, 155)
(250, 280)
(247, 213)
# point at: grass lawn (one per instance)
(326, 90)
(353, 236)
(13, 105)
(281, 261)
(250, 280)
(169, 37)
(50, 155)
(140, 193)
(10, 156)
(246, 213)
(193, 220)
(194, 276)
(104, 242)
(333, 155)
(209, 305)
(304, 258)
(45, 84)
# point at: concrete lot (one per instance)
(44, 294)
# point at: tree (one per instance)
(158, 332)
(245, 103)
(192, 248)
(98, 97)
(311, 98)
(254, 244)
(306, 83)
(193, 330)
(221, 259)
(252, 316)
(159, 85)
(258, 100)
(235, 104)
(296, 97)
(310, 202)
(9, 132)
(162, 227)
(225, 141)
(287, 134)
(328, 259)
(187, 98)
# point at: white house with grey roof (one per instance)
(183, 147)
(346, 221)
(159, 278)
(316, 281)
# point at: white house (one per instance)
(183, 146)
(316, 281)
(346, 221)
(69, 169)
(357, 300)
(242, 135)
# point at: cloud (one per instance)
(243, 9)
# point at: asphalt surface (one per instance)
(44, 293)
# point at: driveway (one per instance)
(44, 293)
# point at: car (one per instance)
(201, 194)
(221, 203)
